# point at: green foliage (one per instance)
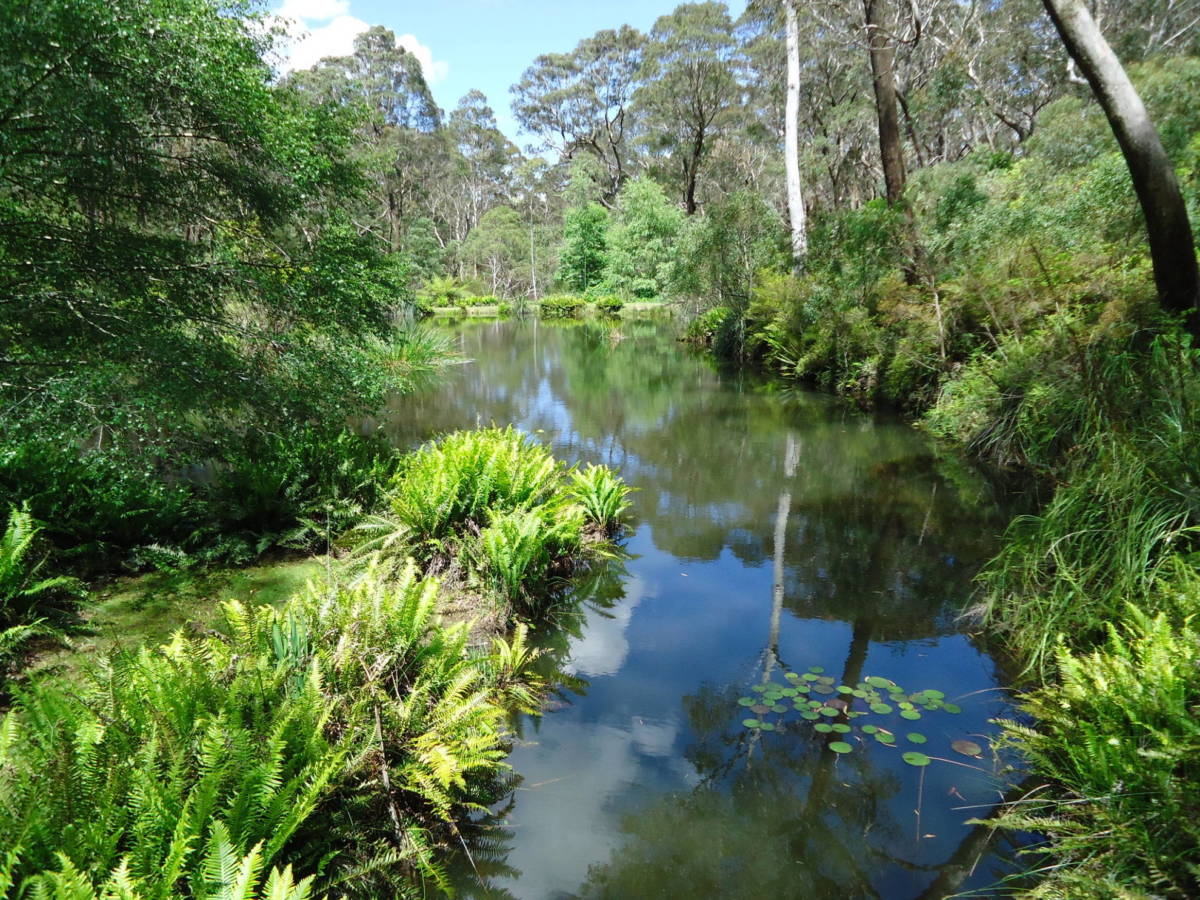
(452, 485)
(561, 306)
(641, 241)
(444, 290)
(24, 596)
(186, 770)
(1110, 413)
(602, 495)
(497, 501)
(721, 253)
(1118, 733)
(609, 306)
(225, 496)
(583, 254)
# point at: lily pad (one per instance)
(869, 729)
(911, 714)
(885, 737)
(881, 708)
(823, 727)
(758, 688)
(828, 711)
(845, 689)
(760, 709)
(966, 748)
(934, 695)
(840, 747)
(745, 701)
(767, 726)
(809, 676)
(840, 728)
(752, 723)
(915, 737)
(779, 708)
(811, 715)
(877, 682)
(816, 670)
(913, 758)
(952, 707)
(822, 689)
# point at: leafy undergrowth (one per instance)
(496, 515)
(148, 609)
(326, 742)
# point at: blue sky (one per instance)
(464, 44)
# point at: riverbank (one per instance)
(337, 732)
(1028, 334)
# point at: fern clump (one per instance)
(336, 735)
(453, 484)
(498, 503)
(24, 594)
(1119, 736)
(603, 496)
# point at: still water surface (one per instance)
(772, 531)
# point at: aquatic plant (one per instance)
(830, 708)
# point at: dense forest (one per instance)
(213, 269)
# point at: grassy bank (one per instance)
(1031, 337)
(296, 742)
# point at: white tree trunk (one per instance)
(795, 194)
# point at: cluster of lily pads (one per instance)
(819, 699)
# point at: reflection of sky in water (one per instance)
(875, 536)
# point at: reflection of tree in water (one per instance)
(705, 453)
(872, 528)
(784, 815)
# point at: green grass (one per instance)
(148, 609)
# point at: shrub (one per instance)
(562, 306)
(609, 306)
(1118, 733)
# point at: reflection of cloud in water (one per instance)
(602, 647)
(566, 823)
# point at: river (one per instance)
(779, 540)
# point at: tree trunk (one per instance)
(1172, 248)
(796, 212)
(883, 63)
(692, 173)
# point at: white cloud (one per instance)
(310, 41)
(310, 45)
(314, 10)
(435, 70)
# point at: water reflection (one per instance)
(772, 530)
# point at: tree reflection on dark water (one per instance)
(773, 530)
